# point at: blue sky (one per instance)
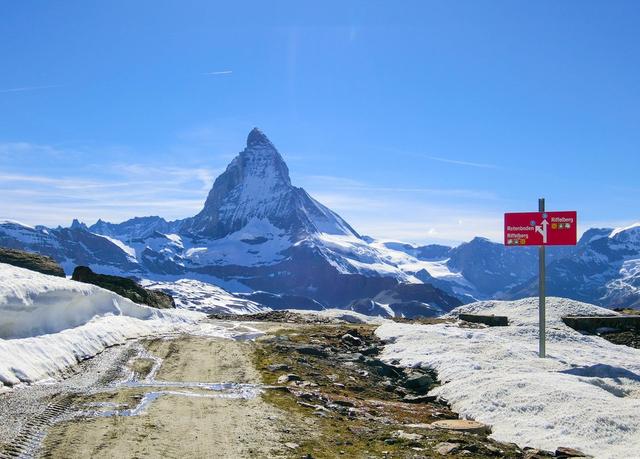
(420, 121)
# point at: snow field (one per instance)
(585, 394)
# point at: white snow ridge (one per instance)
(585, 394)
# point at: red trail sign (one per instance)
(540, 228)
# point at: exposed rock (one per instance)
(344, 402)
(370, 350)
(288, 378)
(32, 261)
(494, 450)
(124, 287)
(402, 435)
(419, 398)
(562, 451)
(304, 384)
(352, 340)
(492, 320)
(382, 368)
(419, 382)
(534, 453)
(311, 349)
(350, 357)
(278, 367)
(445, 448)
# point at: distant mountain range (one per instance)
(263, 237)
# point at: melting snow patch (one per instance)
(585, 394)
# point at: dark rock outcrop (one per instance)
(32, 261)
(124, 287)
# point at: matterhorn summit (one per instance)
(256, 187)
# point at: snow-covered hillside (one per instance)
(49, 323)
(585, 394)
(203, 297)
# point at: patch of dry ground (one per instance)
(175, 427)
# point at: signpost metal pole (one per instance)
(541, 279)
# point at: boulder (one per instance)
(311, 350)
(446, 448)
(419, 398)
(32, 261)
(351, 340)
(288, 378)
(419, 382)
(278, 367)
(124, 287)
(402, 435)
(565, 452)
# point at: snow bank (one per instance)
(585, 394)
(49, 323)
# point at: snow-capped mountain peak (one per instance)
(256, 185)
(257, 137)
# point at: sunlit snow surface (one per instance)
(585, 394)
(201, 296)
(49, 323)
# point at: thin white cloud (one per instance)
(204, 175)
(220, 72)
(12, 149)
(463, 163)
(457, 162)
(345, 184)
(29, 88)
(118, 193)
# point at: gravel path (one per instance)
(26, 404)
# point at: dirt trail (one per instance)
(200, 426)
(197, 359)
(174, 427)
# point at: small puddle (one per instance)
(152, 396)
(218, 390)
